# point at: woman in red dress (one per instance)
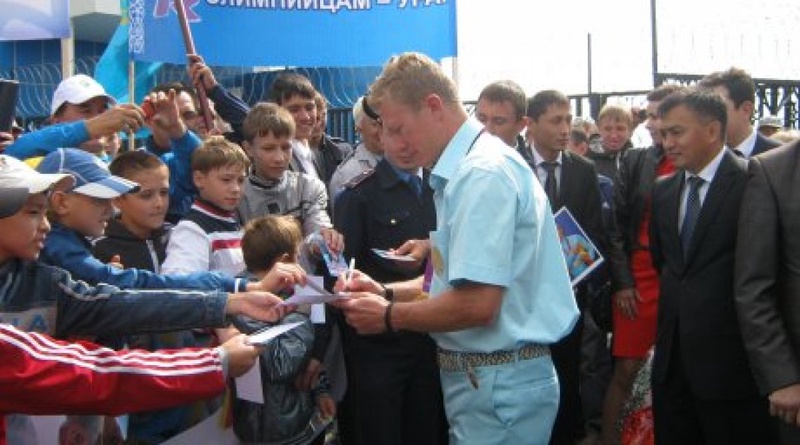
(635, 307)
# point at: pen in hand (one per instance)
(349, 275)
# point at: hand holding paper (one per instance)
(389, 255)
(311, 293)
(265, 335)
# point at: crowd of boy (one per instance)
(182, 246)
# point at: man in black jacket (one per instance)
(768, 281)
(570, 181)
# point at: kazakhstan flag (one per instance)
(112, 68)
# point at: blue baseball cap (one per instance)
(91, 174)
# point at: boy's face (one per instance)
(144, 211)
(614, 132)
(85, 214)
(304, 113)
(221, 186)
(22, 234)
(270, 155)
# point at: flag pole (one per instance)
(188, 41)
(131, 98)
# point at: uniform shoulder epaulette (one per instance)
(347, 157)
(359, 178)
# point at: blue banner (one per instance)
(34, 19)
(308, 33)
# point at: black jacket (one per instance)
(763, 144)
(696, 313)
(379, 210)
(768, 268)
(134, 252)
(330, 153)
(633, 190)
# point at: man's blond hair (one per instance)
(409, 78)
(616, 112)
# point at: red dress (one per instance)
(633, 338)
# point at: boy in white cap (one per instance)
(84, 115)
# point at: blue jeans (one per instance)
(515, 403)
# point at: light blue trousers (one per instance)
(515, 403)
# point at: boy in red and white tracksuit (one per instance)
(40, 375)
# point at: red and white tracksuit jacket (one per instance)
(39, 375)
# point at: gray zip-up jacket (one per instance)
(296, 194)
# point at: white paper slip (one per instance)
(318, 313)
(249, 386)
(264, 336)
(390, 256)
(312, 293)
(311, 299)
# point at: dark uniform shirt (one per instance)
(378, 209)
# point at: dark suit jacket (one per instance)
(768, 267)
(579, 191)
(763, 144)
(696, 305)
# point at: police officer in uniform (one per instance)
(394, 395)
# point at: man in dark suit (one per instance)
(570, 181)
(768, 281)
(703, 389)
(739, 91)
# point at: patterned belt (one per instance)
(454, 361)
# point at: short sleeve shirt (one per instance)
(495, 226)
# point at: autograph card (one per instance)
(386, 254)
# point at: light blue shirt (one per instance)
(494, 226)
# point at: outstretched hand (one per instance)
(165, 116)
(262, 306)
(419, 249)
(241, 356)
(281, 277)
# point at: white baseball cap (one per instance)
(18, 180)
(76, 90)
(771, 121)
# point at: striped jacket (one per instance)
(206, 239)
(39, 375)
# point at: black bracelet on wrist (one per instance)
(388, 292)
(387, 318)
